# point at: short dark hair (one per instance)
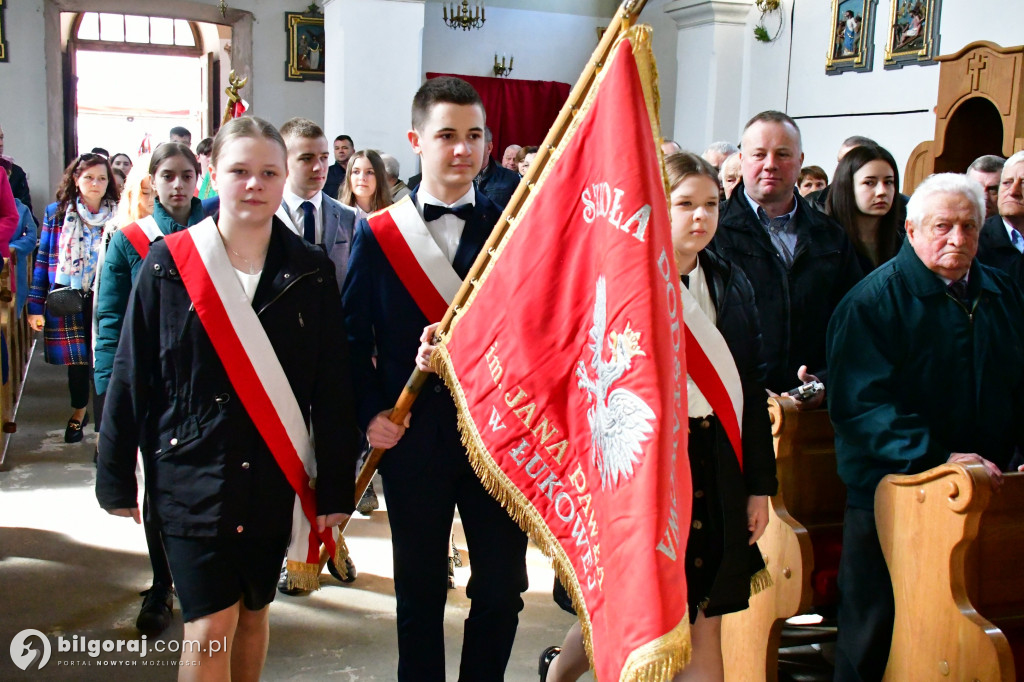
(101, 151)
(444, 89)
(302, 127)
(181, 131)
(204, 147)
(816, 172)
(857, 141)
(772, 116)
(169, 150)
(990, 163)
(345, 138)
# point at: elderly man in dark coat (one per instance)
(926, 362)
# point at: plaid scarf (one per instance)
(79, 242)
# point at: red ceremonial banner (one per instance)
(567, 365)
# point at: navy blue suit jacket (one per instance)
(381, 316)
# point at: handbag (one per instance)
(64, 301)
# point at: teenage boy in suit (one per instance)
(426, 472)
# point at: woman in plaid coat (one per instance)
(68, 245)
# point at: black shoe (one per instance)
(368, 502)
(74, 431)
(546, 657)
(350, 570)
(282, 585)
(157, 607)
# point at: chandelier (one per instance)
(463, 16)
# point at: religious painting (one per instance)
(913, 33)
(3, 34)
(851, 44)
(305, 46)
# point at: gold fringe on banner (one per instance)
(662, 658)
(760, 581)
(303, 576)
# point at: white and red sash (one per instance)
(259, 380)
(142, 233)
(712, 367)
(416, 258)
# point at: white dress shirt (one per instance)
(446, 230)
(697, 405)
(293, 206)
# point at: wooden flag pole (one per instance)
(623, 19)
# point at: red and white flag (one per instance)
(567, 364)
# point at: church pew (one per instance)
(801, 544)
(19, 338)
(955, 551)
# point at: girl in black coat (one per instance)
(730, 506)
(218, 495)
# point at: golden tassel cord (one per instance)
(760, 581)
(340, 555)
(303, 575)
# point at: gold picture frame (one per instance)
(3, 32)
(851, 44)
(913, 33)
(306, 37)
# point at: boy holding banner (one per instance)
(407, 264)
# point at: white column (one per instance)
(373, 67)
(709, 62)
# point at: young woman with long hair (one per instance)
(863, 200)
(366, 184)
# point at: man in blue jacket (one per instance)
(926, 363)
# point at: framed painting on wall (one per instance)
(305, 46)
(3, 34)
(851, 44)
(913, 33)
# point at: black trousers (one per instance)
(866, 604)
(425, 478)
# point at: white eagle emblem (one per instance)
(620, 421)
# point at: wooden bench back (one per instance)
(808, 509)
(955, 551)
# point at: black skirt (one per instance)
(720, 563)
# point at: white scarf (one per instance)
(80, 238)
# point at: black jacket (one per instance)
(208, 471)
(996, 250)
(738, 322)
(498, 183)
(794, 305)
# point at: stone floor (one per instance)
(70, 570)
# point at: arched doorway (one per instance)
(974, 129)
(57, 18)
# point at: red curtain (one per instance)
(518, 112)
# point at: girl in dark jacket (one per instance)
(215, 473)
(730, 506)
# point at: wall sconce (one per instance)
(500, 70)
(462, 16)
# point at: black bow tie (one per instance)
(432, 212)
